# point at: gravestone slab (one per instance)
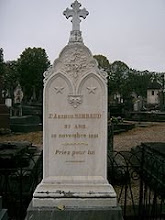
(75, 129)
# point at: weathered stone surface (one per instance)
(62, 213)
(75, 133)
(75, 130)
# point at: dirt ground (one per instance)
(143, 132)
(34, 137)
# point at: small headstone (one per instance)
(18, 94)
(75, 128)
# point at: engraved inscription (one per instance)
(74, 116)
(75, 144)
(75, 138)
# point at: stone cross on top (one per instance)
(76, 13)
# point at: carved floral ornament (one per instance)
(76, 62)
(75, 100)
(75, 68)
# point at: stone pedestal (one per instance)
(61, 213)
(75, 195)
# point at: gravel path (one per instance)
(144, 132)
(33, 137)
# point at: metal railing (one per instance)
(139, 180)
(18, 184)
(137, 176)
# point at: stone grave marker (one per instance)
(18, 94)
(75, 129)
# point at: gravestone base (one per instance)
(95, 213)
(78, 193)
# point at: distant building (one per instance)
(153, 94)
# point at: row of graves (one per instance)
(20, 172)
(22, 117)
(80, 178)
(138, 177)
(20, 162)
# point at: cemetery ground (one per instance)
(128, 190)
(143, 132)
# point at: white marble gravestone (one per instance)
(75, 128)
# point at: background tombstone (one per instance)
(75, 135)
(18, 96)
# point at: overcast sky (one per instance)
(132, 31)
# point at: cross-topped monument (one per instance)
(75, 136)
(76, 13)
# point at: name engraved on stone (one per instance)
(74, 116)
